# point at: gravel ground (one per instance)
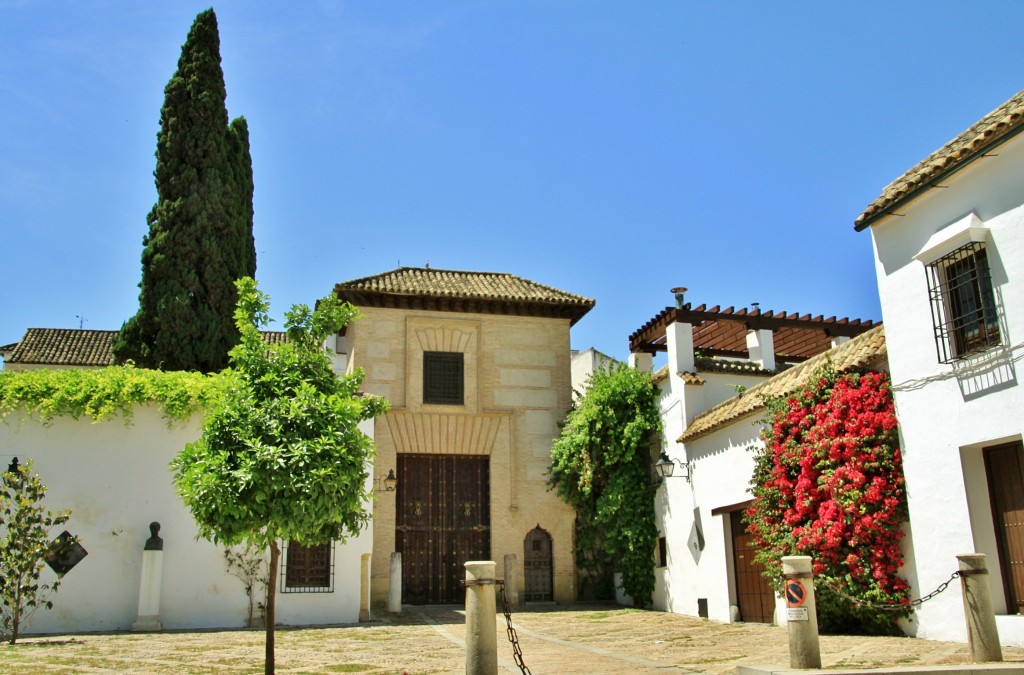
(554, 639)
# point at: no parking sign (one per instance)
(796, 593)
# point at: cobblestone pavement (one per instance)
(563, 640)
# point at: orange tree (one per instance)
(828, 483)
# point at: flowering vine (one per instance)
(829, 483)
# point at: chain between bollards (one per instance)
(895, 606)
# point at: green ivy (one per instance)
(601, 467)
(100, 394)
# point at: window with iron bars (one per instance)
(964, 313)
(443, 378)
(307, 569)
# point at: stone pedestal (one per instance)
(148, 618)
(364, 587)
(511, 581)
(395, 583)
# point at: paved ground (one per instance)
(564, 640)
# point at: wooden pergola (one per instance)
(722, 332)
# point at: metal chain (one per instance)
(888, 607)
(512, 637)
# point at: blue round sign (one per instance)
(796, 594)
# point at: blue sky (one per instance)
(610, 149)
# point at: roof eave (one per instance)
(864, 222)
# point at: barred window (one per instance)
(308, 569)
(443, 378)
(964, 313)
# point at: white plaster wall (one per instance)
(947, 414)
(585, 363)
(722, 466)
(116, 480)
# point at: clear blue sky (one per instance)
(610, 149)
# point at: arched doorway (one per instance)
(538, 566)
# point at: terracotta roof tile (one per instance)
(999, 125)
(739, 367)
(462, 291)
(75, 347)
(688, 378)
(864, 351)
(64, 347)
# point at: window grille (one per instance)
(964, 314)
(443, 377)
(307, 569)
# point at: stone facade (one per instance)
(516, 392)
(514, 386)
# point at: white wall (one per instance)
(116, 480)
(949, 413)
(722, 467)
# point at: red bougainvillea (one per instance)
(828, 483)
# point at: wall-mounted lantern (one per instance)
(666, 467)
(389, 483)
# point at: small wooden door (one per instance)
(754, 595)
(1004, 465)
(443, 520)
(537, 564)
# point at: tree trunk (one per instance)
(275, 555)
(16, 612)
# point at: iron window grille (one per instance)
(307, 569)
(964, 314)
(443, 378)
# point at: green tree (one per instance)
(281, 456)
(200, 229)
(601, 467)
(24, 546)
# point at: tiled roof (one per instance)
(64, 347)
(76, 347)
(738, 367)
(864, 351)
(688, 378)
(998, 126)
(450, 290)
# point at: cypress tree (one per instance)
(200, 229)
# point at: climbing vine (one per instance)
(829, 483)
(102, 393)
(601, 467)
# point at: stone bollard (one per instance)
(481, 638)
(982, 633)
(511, 581)
(364, 587)
(395, 583)
(801, 614)
(148, 618)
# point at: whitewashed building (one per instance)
(720, 364)
(949, 255)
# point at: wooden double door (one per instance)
(443, 520)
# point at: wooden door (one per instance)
(754, 595)
(1004, 465)
(443, 520)
(537, 565)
